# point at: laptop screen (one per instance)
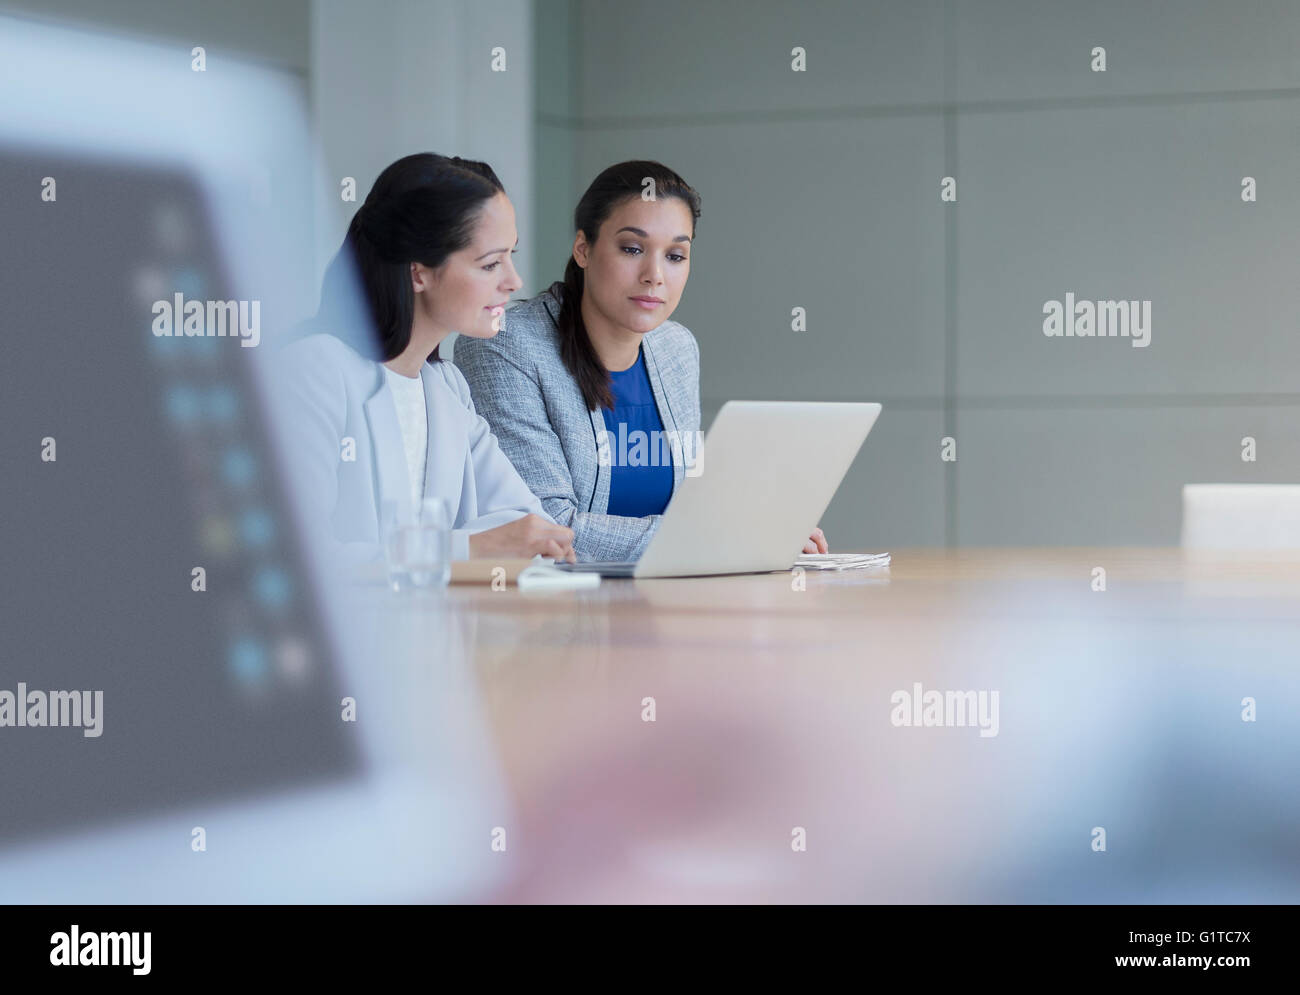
(161, 643)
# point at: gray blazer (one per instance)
(521, 386)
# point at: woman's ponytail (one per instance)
(576, 350)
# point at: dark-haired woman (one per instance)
(593, 391)
(379, 420)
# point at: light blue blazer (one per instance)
(337, 404)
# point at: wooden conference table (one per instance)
(680, 738)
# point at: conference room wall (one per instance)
(821, 190)
(392, 77)
(273, 33)
(555, 149)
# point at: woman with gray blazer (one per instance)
(597, 353)
(592, 390)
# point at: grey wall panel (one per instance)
(688, 57)
(1135, 203)
(1013, 49)
(1107, 476)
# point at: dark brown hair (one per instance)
(620, 182)
(422, 208)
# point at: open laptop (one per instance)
(771, 471)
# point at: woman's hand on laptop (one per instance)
(816, 543)
(524, 538)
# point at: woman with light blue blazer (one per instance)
(377, 422)
(593, 392)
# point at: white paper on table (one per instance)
(842, 561)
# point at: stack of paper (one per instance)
(841, 561)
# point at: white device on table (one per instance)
(772, 468)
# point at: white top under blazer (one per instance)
(348, 455)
